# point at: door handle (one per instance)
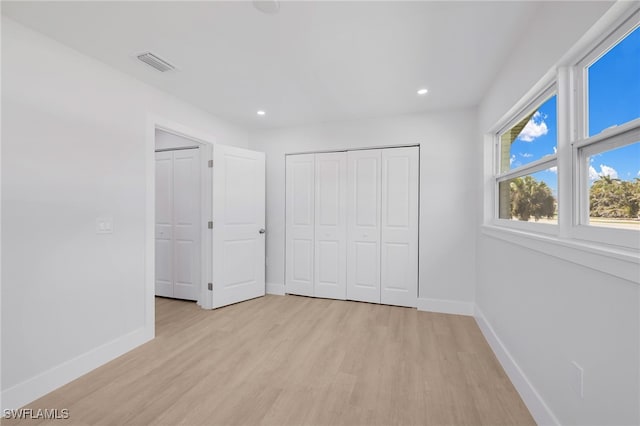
(262, 231)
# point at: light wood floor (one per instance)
(294, 361)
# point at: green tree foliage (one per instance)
(531, 198)
(608, 198)
(615, 198)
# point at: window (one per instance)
(530, 197)
(568, 164)
(614, 187)
(527, 182)
(607, 143)
(535, 136)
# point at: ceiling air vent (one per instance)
(156, 62)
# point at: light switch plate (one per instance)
(104, 225)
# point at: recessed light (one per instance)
(422, 92)
(261, 112)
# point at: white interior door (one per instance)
(363, 225)
(164, 224)
(330, 266)
(300, 177)
(187, 225)
(238, 236)
(399, 237)
(178, 254)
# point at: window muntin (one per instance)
(533, 137)
(613, 85)
(530, 198)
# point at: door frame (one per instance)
(206, 141)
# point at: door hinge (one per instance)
(210, 286)
(210, 224)
(210, 163)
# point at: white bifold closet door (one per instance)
(363, 252)
(352, 225)
(399, 227)
(330, 248)
(316, 229)
(178, 250)
(382, 231)
(300, 224)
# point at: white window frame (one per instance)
(584, 145)
(541, 164)
(612, 251)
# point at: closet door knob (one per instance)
(262, 230)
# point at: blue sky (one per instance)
(538, 139)
(614, 99)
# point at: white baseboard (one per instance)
(444, 306)
(540, 411)
(273, 288)
(31, 389)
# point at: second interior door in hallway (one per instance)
(178, 224)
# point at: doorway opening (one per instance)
(182, 210)
(228, 226)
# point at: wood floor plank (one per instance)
(296, 361)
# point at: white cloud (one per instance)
(555, 150)
(512, 159)
(604, 171)
(608, 171)
(638, 172)
(526, 155)
(553, 169)
(535, 128)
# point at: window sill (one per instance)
(615, 261)
(533, 228)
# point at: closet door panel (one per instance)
(300, 214)
(302, 260)
(330, 266)
(363, 225)
(399, 228)
(164, 224)
(187, 226)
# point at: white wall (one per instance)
(551, 33)
(74, 139)
(549, 312)
(447, 217)
(546, 311)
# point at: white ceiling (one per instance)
(311, 62)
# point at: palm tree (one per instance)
(613, 198)
(531, 198)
